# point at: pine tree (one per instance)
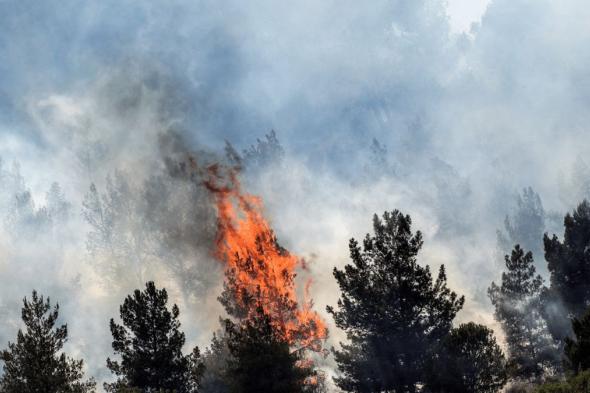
(579, 383)
(577, 350)
(150, 345)
(568, 261)
(36, 363)
(468, 361)
(261, 359)
(392, 311)
(215, 360)
(517, 301)
(265, 152)
(526, 225)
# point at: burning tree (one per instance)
(260, 285)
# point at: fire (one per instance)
(259, 272)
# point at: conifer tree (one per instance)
(35, 363)
(150, 346)
(392, 311)
(468, 360)
(215, 359)
(261, 359)
(577, 350)
(568, 261)
(525, 226)
(579, 383)
(532, 351)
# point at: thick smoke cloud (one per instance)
(376, 106)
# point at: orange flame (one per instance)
(259, 272)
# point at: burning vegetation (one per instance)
(399, 316)
(259, 272)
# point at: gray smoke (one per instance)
(375, 107)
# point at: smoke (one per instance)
(375, 107)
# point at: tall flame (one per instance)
(259, 272)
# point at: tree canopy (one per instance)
(150, 343)
(261, 359)
(35, 363)
(577, 349)
(468, 360)
(532, 351)
(391, 309)
(568, 260)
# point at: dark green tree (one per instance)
(468, 360)
(577, 350)
(392, 311)
(215, 359)
(532, 352)
(150, 346)
(568, 261)
(261, 359)
(579, 383)
(36, 363)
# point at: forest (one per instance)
(398, 315)
(323, 196)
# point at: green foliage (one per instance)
(517, 302)
(577, 351)
(35, 362)
(554, 387)
(468, 360)
(580, 383)
(392, 311)
(568, 261)
(215, 359)
(577, 384)
(261, 359)
(150, 346)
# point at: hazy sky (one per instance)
(462, 13)
(392, 104)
